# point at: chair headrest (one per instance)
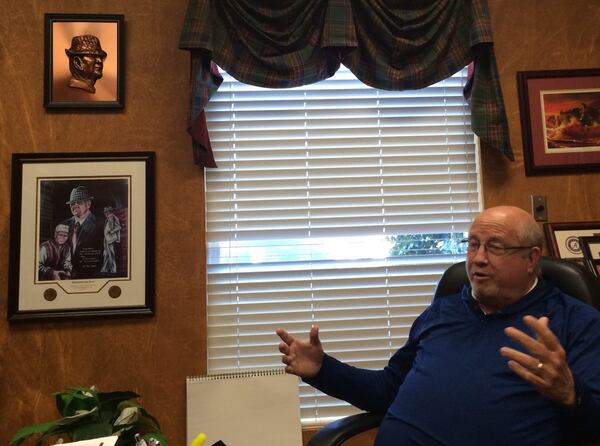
(570, 277)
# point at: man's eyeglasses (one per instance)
(492, 248)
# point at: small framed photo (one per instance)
(591, 253)
(84, 61)
(560, 120)
(81, 235)
(563, 238)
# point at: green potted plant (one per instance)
(87, 413)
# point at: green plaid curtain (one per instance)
(391, 45)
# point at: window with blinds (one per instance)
(333, 204)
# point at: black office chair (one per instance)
(569, 277)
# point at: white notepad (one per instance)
(260, 408)
(103, 441)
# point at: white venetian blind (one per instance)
(335, 204)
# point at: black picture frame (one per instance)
(74, 46)
(590, 246)
(560, 135)
(96, 274)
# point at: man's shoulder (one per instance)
(571, 308)
(451, 299)
(444, 304)
(559, 297)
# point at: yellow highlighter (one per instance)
(199, 440)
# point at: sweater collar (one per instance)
(535, 294)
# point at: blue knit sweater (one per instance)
(449, 385)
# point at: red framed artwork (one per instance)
(560, 120)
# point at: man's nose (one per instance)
(481, 254)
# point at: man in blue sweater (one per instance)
(511, 360)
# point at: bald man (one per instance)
(511, 360)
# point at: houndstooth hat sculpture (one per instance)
(85, 45)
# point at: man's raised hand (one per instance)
(544, 364)
(302, 358)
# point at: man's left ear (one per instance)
(535, 255)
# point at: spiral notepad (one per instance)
(244, 409)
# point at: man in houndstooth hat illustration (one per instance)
(86, 235)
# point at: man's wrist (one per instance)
(571, 401)
(575, 401)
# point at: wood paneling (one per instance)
(154, 355)
(541, 36)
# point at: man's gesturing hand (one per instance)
(302, 358)
(546, 364)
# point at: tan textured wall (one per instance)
(153, 355)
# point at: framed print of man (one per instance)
(86, 234)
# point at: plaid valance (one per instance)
(390, 45)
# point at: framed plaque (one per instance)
(84, 61)
(563, 238)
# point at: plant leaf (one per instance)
(95, 430)
(129, 403)
(158, 435)
(109, 403)
(63, 425)
(74, 399)
(63, 400)
(27, 431)
(147, 414)
(87, 391)
(143, 425)
(51, 432)
(89, 414)
(74, 418)
(118, 396)
(127, 415)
